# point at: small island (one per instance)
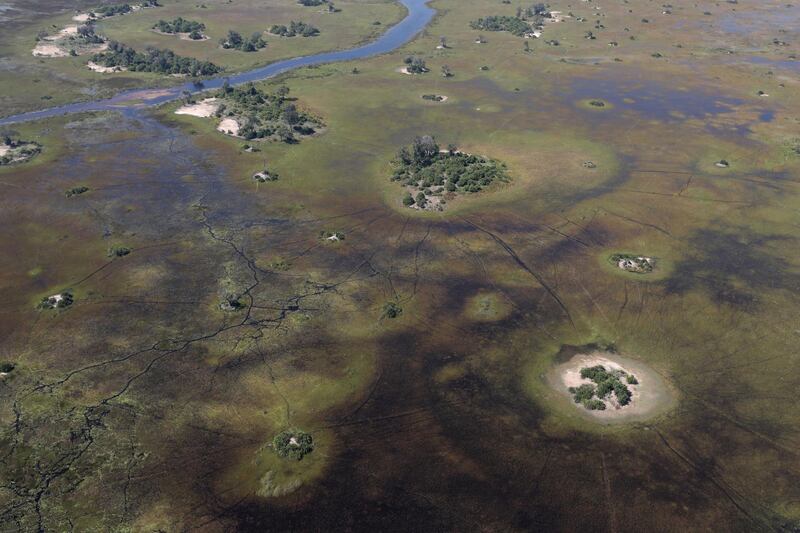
(637, 264)
(70, 41)
(432, 177)
(61, 300)
(119, 57)
(608, 388)
(293, 444)
(527, 22)
(185, 29)
(253, 114)
(294, 29)
(17, 151)
(234, 41)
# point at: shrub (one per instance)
(293, 444)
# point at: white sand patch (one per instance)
(4, 149)
(47, 49)
(83, 17)
(103, 70)
(204, 108)
(229, 126)
(650, 397)
(66, 32)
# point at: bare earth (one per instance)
(651, 397)
(204, 109)
(229, 126)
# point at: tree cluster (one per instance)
(514, 25)
(605, 382)
(181, 25)
(415, 65)
(153, 60)
(234, 41)
(294, 29)
(293, 444)
(264, 115)
(425, 167)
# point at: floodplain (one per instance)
(225, 365)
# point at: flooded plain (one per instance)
(151, 404)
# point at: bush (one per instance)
(392, 310)
(513, 25)
(153, 60)
(293, 444)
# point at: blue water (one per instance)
(419, 15)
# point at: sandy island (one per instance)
(204, 108)
(229, 126)
(652, 396)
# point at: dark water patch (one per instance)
(734, 266)
(781, 64)
(745, 22)
(654, 100)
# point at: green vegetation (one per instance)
(415, 65)
(433, 97)
(633, 263)
(181, 25)
(153, 60)
(293, 444)
(118, 251)
(392, 310)
(75, 191)
(234, 41)
(17, 151)
(606, 382)
(427, 170)
(294, 29)
(7, 367)
(514, 25)
(57, 301)
(332, 236)
(264, 115)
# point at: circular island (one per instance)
(610, 388)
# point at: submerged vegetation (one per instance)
(431, 175)
(608, 388)
(263, 115)
(293, 444)
(153, 60)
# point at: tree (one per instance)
(421, 199)
(527, 46)
(446, 71)
(442, 42)
(424, 150)
(408, 200)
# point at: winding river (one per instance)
(419, 15)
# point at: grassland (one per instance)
(33, 83)
(162, 406)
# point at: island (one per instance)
(431, 177)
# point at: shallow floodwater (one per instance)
(419, 14)
(652, 99)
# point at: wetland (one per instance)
(210, 326)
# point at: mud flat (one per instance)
(650, 397)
